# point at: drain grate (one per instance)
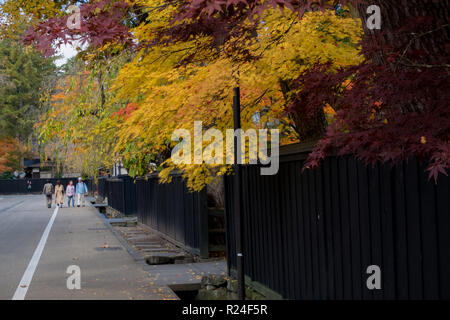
(108, 249)
(97, 229)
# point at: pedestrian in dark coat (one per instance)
(48, 191)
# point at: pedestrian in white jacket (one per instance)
(81, 191)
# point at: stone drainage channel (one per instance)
(152, 248)
(155, 250)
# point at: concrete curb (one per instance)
(136, 256)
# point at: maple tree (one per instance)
(76, 129)
(386, 105)
(161, 94)
(101, 22)
(12, 152)
(170, 96)
(375, 122)
(397, 106)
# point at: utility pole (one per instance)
(238, 216)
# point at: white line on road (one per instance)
(24, 284)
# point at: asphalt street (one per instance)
(38, 245)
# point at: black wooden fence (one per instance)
(121, 193)
(19, 186)
(312, 235)
(175, 212)
(170, 209)
(102, 187)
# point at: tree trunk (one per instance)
(396, 14)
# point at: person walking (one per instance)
(81, 190)
(48, 191)
(59, 194)
(70, 192)
(29, 186)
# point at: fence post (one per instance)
(204, 236)
(124, 198)
(237, 198)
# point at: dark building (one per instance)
(34, 169)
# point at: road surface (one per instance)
(38, 245)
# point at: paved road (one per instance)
(33, 266)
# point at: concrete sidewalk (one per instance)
(80, 237)
(179, 276)
(109, 269)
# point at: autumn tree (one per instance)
(396, 105)
(170, 85)
(76, 129)
(387, 105)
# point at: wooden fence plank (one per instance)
(300, 231)
(294, 227)
(262, 237)
(320, 213)
(353, 196)
(443, 219)
(286, 205)
(401, 244)
(375, 223)
(365, 230)
(337, 234)
(267, 219)
(387, 218)
(328, 216)
(430, 235)
(314, 233)
(308, 237)
(345, 228)
(413, 231)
